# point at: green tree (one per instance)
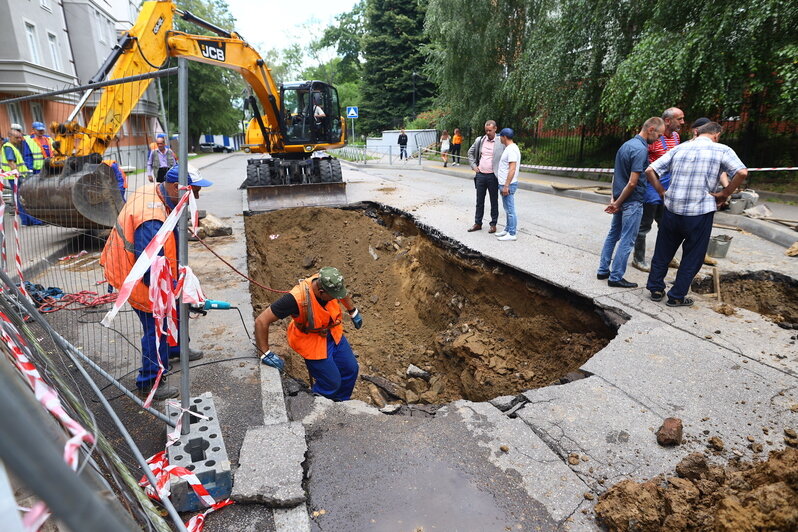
(392, 51)
(346, 36)
(474, 47)
(214, 93)
(718, 59)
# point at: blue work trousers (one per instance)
(509, 208)
(486, 183)
(623, 231)
(149, 358)
(690, 232)
(335, 376)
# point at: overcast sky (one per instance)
(267, 25)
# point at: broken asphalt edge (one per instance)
(771, 232)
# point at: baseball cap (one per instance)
(38, 126)
(507, 132)
(700, 122)
(194, 178)
(332, 282)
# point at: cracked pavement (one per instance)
(717, 373)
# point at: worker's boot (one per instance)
(193, 354)
(164, 391)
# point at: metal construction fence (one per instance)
(55, 323)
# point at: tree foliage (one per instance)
(213, 93)
(580, 62)
(392, 51)
(473, 48)
(720, 59)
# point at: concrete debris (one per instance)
(373, 253)
(390, 409)
(211, 226)
(376, 396)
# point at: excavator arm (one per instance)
(145, 48)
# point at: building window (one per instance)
(36, 111)
(33, 43)
(45, 5)
(55, 51)
(15, 115)
(99, 25)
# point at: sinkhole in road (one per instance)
(772, 294)
(477, 328)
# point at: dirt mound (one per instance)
(771, 294)
(479, 329)
(702, 497)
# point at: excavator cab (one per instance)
(311, 113)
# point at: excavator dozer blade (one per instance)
(86, 197)
(273, 197)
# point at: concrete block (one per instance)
(270, 466)
(202, 452)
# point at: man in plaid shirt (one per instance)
(690, 205)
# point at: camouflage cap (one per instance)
(332, 282)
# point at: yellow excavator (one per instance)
(291, 126)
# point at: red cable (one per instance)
(84, 299)
(250, 279)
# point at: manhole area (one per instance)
(772, 294)
(480, 330)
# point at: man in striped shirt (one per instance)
(652, 203)
(690, 205)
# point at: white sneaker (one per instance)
(507, 237)
(500, 234)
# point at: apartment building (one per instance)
(47, 45)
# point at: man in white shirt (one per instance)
(509, 167)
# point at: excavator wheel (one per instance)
(330, 171)
(259, 173)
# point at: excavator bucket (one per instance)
(84, 196)
(273, 197)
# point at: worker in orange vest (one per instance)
(139, 221)
(316, 332)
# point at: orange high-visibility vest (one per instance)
(307, 333)
(119, 255)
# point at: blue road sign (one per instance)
(351, 112)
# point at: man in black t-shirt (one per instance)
(315, 332)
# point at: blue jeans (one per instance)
(149, 357)
(509, 208)
(335, 376)
(623, 231)
(690, 232)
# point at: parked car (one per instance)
(209, 147)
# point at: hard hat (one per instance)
(38, 126)
(16, 126)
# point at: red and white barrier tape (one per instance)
(610, 170)
(18, 253)
(48, 397)
(147, 256)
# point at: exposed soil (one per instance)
(771, 294)
(702, 497)
(480, 329)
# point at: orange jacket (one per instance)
(307, 333)
(119, 255)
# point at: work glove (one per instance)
(271, 359)
(357, 319)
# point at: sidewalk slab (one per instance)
(270, 470)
